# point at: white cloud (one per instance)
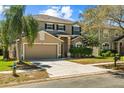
(64, 12)
(2, 8)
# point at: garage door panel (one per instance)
(40, 51)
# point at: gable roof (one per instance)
(119, 38)
(51, 35)
(56, 33)
(76, 37)
(47, 18)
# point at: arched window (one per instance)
(106, 46)
(78, 44)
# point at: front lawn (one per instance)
(94, 60)
(7, 65)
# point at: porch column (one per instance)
(69, 46)
(17, 51)
(59, 50)
(118, 47)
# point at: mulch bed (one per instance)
(22, 77)
(23, 66)
(25, 76)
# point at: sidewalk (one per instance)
(18, 71)
(105, 63)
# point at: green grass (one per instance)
(7, 65)
(94, 60)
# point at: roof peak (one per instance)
(44, 17)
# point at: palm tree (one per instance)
(21, 26)
(5, 38)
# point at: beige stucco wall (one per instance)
(68, 27)
(48, 39)
(74, 41)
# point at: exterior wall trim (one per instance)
(76, 38)
(58, 53)
(64, 35)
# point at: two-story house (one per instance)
(112, 38)
(54, 39)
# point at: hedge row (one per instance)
(81, 51)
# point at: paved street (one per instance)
(92, 81)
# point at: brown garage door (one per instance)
(40, 51)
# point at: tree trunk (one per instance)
(5, 53)
(20, 51)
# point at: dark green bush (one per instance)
(80, 51)
(74, 51)
(1, 51)
(108, 53)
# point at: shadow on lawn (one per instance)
(38, 66)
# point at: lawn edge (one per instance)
(54, 78)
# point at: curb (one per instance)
(54, 78)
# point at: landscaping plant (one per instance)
(81, 51)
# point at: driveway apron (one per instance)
(64, 68)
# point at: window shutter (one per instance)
(45, 26)
(56, 27)
(72, 30)
(64, 27)
(80, 31)
(53, 26)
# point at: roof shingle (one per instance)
(47, 18)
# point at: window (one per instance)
(106, 46)
(76, 30)
(61, 27)
(78, 44)
(49, 26)
(105, 34)
(116, 34)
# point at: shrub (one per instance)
(80, 51)
(74, 51)
(87, 51)
(108, 53)
(1, 51)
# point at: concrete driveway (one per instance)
(64, 68)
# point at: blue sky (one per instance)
(70, 12)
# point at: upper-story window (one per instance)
(106, 34)
(76, 30)
(49, 26)
(61, 27)
(116, 34)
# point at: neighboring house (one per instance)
(112, 39)
(54, 39)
